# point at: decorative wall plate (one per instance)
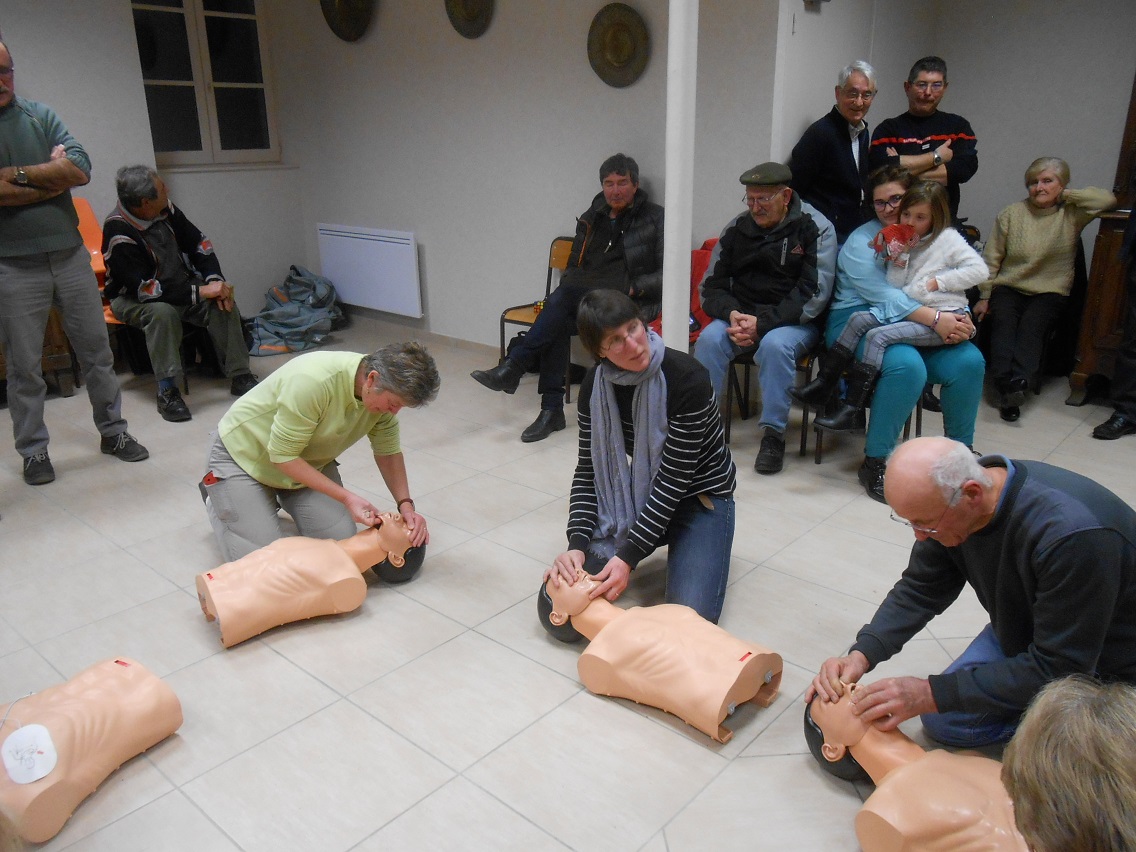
(618, 45)
(470, 17)
(348, 19)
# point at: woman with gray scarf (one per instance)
(654, 407)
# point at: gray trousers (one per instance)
(242, 510)
(161, 323)
(878, 337)
(29, 286)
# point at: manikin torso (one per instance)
(96, 721)
(924, 801)
(667, 656)
(295, 578)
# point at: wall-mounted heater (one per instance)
(372, 268)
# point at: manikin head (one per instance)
(402, 561)
(831, 728)
(556, 606)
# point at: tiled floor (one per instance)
(439, 715)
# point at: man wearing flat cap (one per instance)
(769, 279)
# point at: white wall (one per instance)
(488, 148)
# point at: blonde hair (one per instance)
(932, 194)
(1053, 164)
(1070, 768)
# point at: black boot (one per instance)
(860, 383)
(833, 364)
(871, 476)
(504, 377)
(547, 422)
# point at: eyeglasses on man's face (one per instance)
(758, 200)
(854, 95)
(887, 203)
(924, 86)
(616, 343)
(928, 530)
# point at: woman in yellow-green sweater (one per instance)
(1030, 256)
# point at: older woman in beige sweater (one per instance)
(1030, 255)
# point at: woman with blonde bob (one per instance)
(1030, 256)
(1071, 768)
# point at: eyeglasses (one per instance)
(615, 344)
(759, 200)
(923, 86)
(853, 95)
(885, 203)
(928, 530)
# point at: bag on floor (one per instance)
(298, 314)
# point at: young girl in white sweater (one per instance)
(935, 271)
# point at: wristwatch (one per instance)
(21, 177)
(937, 160)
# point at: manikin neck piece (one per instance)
(878, 752)
(370, 547)
(588, 615)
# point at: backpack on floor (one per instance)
(298, 314)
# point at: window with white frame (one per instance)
(207, 93)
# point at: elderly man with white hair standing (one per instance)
(1051, 556)
(830, 162)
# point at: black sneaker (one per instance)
(124, 446)
(771, 457)
(172, 407)
(38, 469)
(871, 476)
(242, 384)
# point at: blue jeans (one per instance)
(776, 358)
(698, 559)
(970, 730)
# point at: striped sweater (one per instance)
(695, 457)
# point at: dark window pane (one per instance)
(234, 50)
(173, 118)
(244, 7)
(175, 4)
(163, 47)
(243, 118)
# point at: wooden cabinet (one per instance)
(58, 360)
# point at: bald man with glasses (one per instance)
(1051, 557)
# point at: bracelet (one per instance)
(936, 322)
(398, 505)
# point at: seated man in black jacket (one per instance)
(618, 246)
(161, 272)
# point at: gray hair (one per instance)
(955, 467)
(405, 369)
(1054, 164)
(857, 67)
(135, 184)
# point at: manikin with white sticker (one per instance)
(298, 577)
(665, 656)
(58, 745)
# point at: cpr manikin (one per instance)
(298, 577)
(666, 656)
(59, 744)
(924, 801)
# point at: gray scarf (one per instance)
(621, 492)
